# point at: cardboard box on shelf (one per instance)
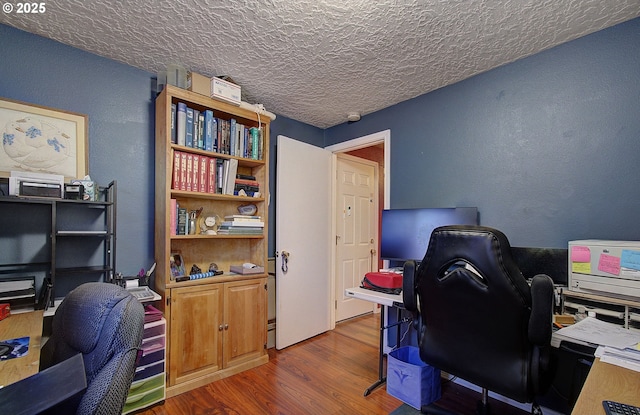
(199, 84)
(225, 91)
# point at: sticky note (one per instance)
(581, 267)
(580, 254)
(609, 263)
(630, 259)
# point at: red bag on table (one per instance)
(386, 282)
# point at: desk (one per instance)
(21, 325)
(388, 300)
(607, 382)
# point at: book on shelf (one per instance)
(247, 182)
(243, 217)
(195, 173)
(189, 176)
(183, 171)
(229, 178)
(233, 136)
(173, 214)
(240, 230)
(189, 128)
(173, 123)
(242, 223)
(203, 170)
(210, 130)
(175, 180)
(212, 172)
(183, 221)
(195, 128)
(181, 124)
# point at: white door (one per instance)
(303, 234)
(356, 230)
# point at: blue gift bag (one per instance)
(410, 379)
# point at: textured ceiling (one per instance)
(315, 61)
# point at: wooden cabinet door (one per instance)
(245, 311)
(196, 332)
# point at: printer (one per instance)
(610, 268)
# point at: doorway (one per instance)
(356, 242)
(375, 147)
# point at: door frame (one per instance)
(349, 145)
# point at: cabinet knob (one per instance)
(226, 327)
(220, 327)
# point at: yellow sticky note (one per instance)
(581, 267)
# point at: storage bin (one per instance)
(149, 358)
(149, 393)
(153, 329)
(410, 379)
(146, 385)
(143, 372)
(153, 344)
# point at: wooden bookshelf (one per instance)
(217, 326)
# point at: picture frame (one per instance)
(176, 265)
(40, 139)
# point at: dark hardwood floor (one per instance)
(323, 375)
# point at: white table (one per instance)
(386, 300)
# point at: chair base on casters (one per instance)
(483, 407)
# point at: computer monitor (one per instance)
(405, 233)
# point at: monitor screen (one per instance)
(405, 233)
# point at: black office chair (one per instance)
(478, 318)
(105, 324)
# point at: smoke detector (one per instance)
(353, 116)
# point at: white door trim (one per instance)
(366, 141)
(354, 144)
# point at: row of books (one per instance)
(202, 130)
(241, 225)
(205, 174)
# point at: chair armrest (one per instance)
(541, 317)
(46, 389)
(408, 286)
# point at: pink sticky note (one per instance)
(609, 263)
(580, 254)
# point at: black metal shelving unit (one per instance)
(67, 242)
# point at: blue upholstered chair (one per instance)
(104, 323)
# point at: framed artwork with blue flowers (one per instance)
(42, 140)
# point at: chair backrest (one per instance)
(105, 323)
(476, 311)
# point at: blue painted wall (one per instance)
(547, 147)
